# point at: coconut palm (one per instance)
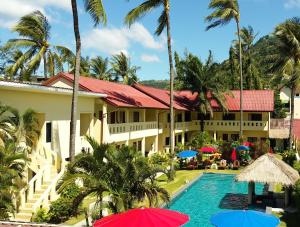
(6, 124)
(12, 165)
(125, 174)
(34, 32)
(99, 68)
(286, 62)
(224, 12)
(163, 23)
(121, 67)
(204, 80)
(96, 10)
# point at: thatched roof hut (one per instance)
(269, 169)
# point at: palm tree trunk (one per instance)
(167, 9)
(291, 138)
(202, 123)
(241, 78)
(75, 82)
(45, 65)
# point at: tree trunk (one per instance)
(75, 82)
(241, 78)
(291, 138)
(201, 123)
(45, 65)
(167, 9)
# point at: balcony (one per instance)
(134, 130)
(220, 125)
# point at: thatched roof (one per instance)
(269, 169)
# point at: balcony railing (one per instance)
(132, 127)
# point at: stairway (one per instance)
(26, 211)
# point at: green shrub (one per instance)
(297, 166)
(289, 157)
(297, 194)
(41, 216)
(201, 140)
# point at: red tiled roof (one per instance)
(183, 100)
(254, 100)
(117, 94)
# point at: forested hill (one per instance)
(163, 84)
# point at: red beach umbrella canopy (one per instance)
(144, 217)
(208, 149)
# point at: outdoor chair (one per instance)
(223, 164)
(236, 165)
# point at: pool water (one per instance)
(209, 195)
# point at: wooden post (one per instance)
(251, 191)
(286, 196)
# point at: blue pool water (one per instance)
(209, 195)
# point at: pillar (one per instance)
(156, 144)
(286, 196)
(183, 138)
(144, 146)
(251, 192)
(105, 130)
(215, 135)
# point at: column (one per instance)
(143, 146)
(105, 130)
(156, 144)
(215, 135)
(182, 138)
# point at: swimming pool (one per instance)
(210, 194)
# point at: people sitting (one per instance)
(223, 164)
(236, 164)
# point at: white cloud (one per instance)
(292, 3)
(12, 10)
(150, 58)
(115, 40)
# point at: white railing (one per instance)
(234, 125)
(132, 127)
(50, 193)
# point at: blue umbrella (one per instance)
(244, 218)
(187, 154)
(242, 148)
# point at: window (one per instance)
(113, 117)
(179, 139)
(167, 141)
(187, 116)
(122, 117)
(229, 117)
(48, 132)
(186, 137)
(235, 137)
(252, 139)
(136, 116)
(255, 117)
(225, 137)
(100, 115)
(139, 148)
(179, 118)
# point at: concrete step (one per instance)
(23, 217)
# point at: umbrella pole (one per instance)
(251, 188)
(286, 196)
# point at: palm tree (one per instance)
(84, 66)
(204, 80)
(6, 124)
(96, 10)
(99, 68)
(286, 62)
(163, 22)
(12, 165)
(125, 174)
(121, 67)
(34, 32)
(224, 12)
(13, 58)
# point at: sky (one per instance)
(139, 42)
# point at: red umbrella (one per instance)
(248, 144)
(208, 149)
(144, 217)
(233, 155)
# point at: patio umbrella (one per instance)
(242, 148)
(187, 154)
(233, 155)
(248, 144)
(144, 217)
(208, 149)
(243, 218)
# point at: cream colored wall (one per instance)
(61, 83)
(56, 109)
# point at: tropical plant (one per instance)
(200, 140)
(125, 174)
(84, 66)
(163, 23)
(99, 68)
(224, 12)
(12, 165)
(121, 67)
(34, 32)
(204, 80)
(286, 61)
(6, 124)
(96, 10)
